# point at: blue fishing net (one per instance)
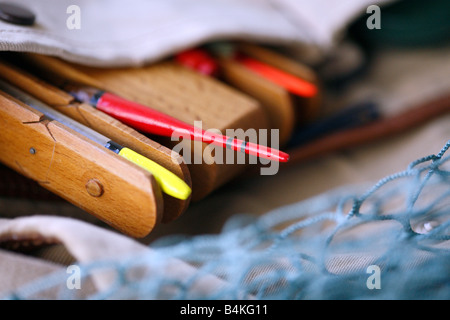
(389, 240)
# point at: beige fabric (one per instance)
(86, 243)
(107, 37)
(18, 270)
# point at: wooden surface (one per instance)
(279, 61)
(276, 101)
(180, 93)
(286, 110)
(105, 125)
(79, 170)
(169, 88)
(306, 109)
(130, 138)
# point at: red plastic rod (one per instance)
(151, 121)
(198, 60)
(288, 81)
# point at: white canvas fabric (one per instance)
(134, 32)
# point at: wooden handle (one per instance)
(88, 175)
(100, 122)
(176, 91)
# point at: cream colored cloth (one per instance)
(86, 243)
(133, 32)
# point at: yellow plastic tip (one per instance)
(170, 183)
